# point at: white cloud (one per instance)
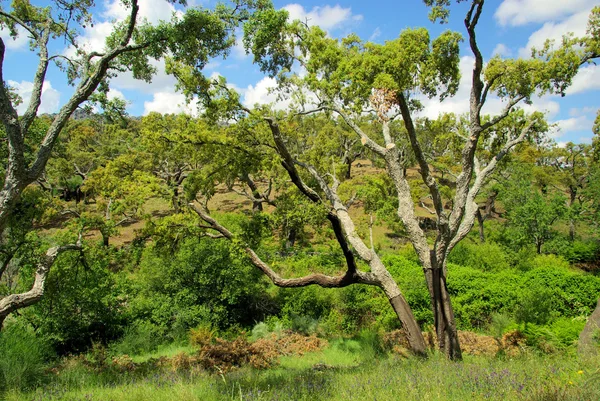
(501, 50)
(50, 96)
(170, 103)
(544, 104)
(576, 23)
(376, 33)
(459, 103)
(521, 12)
(261, 94)
(575, 112)
(327, 17)
(161, 81)
(587, 79)
(94, 37)
(151, 10)
(115, 94)
(18, 43)
(571, 124)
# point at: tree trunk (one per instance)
(572, 198)
(443, 313)
(589, 339)
(409, 324)
(348, 173)
(175, 199)
(291, 238)
(480, 221)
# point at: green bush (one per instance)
(23, 356)
(487, 256)
(81, 303)
(141, 337)
(202, 281)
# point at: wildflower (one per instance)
(570, 382)
(580, 372)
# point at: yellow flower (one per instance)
(570, 382)
(580, 372)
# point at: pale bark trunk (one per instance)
(13, 302)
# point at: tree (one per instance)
(194, 38)
(351, 78)
(531, 213)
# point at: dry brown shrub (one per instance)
(226, 355)
(478, 344)
(182, 361)
(513, 342)
(123, 363)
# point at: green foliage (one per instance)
(23, 357)
(139, 338)
(203, 281)
(488, 256)
(82, 303)
(531, 212)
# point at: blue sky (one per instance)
(507, 27)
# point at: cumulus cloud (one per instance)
(581, 123)
(587, 79)
(576, 23)
(575, 112)
(327, 17)
(152, 11)
(161, 81)
(50, 96)
(18, 43)
(501, 50)
(261, 94)
(522, 12)
(166, 102)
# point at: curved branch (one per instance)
(14, 302)
(38, 81)
(322, 280)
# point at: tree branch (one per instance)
(38, 81)
(350, 277)
(14, 302)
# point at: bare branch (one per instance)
(428, 178)
(14, 302)
(38, 81)
(350, 277)
(505, 112)
(21, 23)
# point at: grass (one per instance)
(346, 370)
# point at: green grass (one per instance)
(346, 370)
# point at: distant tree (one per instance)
(192, 38)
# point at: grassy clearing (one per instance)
(346, 370)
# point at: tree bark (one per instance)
(480, 223)
(13, 302)
(443, 313)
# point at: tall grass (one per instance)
(23, 357)
(346, 370)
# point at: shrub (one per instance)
(487, 256)
(22, 356)
(139, 338)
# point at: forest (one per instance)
(342, 247)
